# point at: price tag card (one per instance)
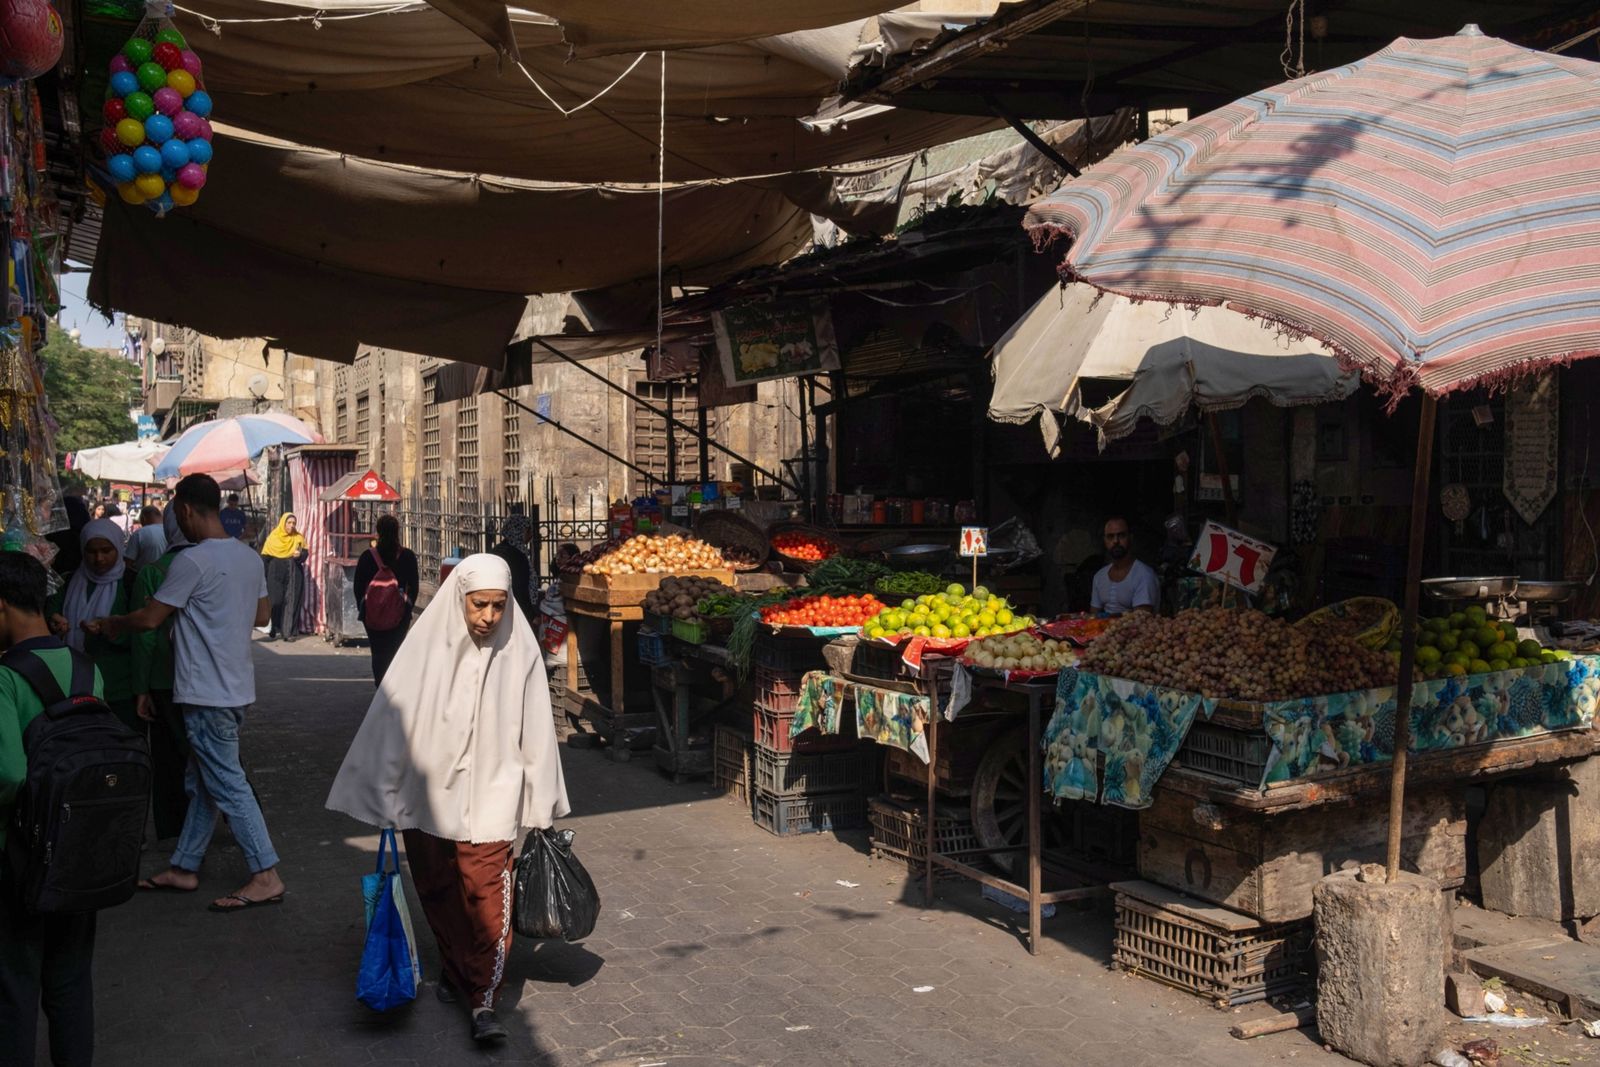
(974, 540)
(1229, 556)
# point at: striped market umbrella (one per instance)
(231, 444)
(1428, 213)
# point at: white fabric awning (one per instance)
(1168, 359)
(130, 461)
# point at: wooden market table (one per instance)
(1028, 699)
(609, 720)
(678, 691)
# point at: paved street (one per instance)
(719, 944)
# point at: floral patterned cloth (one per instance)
(1137, 728)
(1321, 735)
(886, 716)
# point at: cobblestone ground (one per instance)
(719, 944)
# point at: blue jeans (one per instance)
(215, 782)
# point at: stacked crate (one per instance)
(813, 782)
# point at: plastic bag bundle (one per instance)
(157, 135)
(555, 897)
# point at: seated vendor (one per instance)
(1124, 584)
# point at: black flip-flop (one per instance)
(150, 885)
(245, 903)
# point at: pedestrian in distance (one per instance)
(516, 533)
(219, 594)
(282, 554)
(234, 520)
(458, 751)
(45, 959)
(152, 692)
(100, 586)
(149, 541)
(68, 552)
(386, 587)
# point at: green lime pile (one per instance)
(952, 613)
(1469, 642)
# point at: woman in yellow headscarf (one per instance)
(285, 548)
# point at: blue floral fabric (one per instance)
(1137, 728)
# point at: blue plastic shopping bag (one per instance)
(390, 971)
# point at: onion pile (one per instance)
(1240, 655)
(1021, 652)
(658, 555)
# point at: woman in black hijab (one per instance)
(69, 554)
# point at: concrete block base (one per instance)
(1381, 951)
(1539, 845)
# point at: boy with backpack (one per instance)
(60, 746)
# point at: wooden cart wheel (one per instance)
(1000, 806)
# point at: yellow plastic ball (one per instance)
(130, 132)
(182, 81)
(130, 193)
(182, 195)
(150, 185)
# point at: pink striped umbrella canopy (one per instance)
(1429, 212)
(232, 444)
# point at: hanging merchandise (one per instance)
(30, 39)
(157, 134)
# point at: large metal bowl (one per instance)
(918, 555)
(1470, 588)
(1546, 592)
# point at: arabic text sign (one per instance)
(1229, 556)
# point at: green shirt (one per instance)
(152, 649)
(113, 658)
(20, 705)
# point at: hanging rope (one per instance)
(573, 110)
(316, 18)
(1292, 57)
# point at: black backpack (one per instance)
(74, 840)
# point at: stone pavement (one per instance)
(718, 944)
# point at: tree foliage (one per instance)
(90, 392)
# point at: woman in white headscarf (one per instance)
(458, 751)
(96, 589)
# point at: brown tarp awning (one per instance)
(596, 27)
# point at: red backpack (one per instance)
(385, 602)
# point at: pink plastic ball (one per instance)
(168, 101)
(191, 63)
(119, 63)
(186, 124)
(192, 176)
(205, 129)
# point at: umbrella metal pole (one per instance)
(1408, 631)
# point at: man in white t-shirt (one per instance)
(1124, 584)
(219, 592)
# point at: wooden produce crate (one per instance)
(732, 753)
(899, 831)
(626, 588)
(1228, 958)
(961, 749)
(1265, 865)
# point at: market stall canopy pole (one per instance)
(1427, 212)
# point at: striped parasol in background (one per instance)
(232, 444)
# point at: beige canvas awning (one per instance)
(594, 28)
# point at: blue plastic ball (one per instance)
(158, 129)
(175, 154)
(122, 168)
(146, 159)
(162, 204)
(199, 151)
(124, 82)
(169, 175)
(199, 102)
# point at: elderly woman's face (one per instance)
(484, 607)
(100, 554)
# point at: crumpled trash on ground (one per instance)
(1016, 904)
(1515, 1022)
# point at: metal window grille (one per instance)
(341, 422)
(511, 437)
(380, 447)
(650, 432)
(467, 450)
(364, 429)
(430, 431)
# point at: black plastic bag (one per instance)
(556, 898)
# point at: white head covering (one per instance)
(459, 741)
(91, 595)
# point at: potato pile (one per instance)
(677, 597)
(646, 554)
(1021, 652)
(1242, 655)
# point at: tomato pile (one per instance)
(807, 548)
(822, 611)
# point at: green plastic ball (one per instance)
(152, 76)
(137, 51)
(140, 105)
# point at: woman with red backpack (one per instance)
(386, 590)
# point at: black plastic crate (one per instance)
(788, 774)
(1232, 754)
(652, 648)
(784, 816)
(876, 660)
(789, 654)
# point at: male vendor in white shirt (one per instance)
(1124, 584)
